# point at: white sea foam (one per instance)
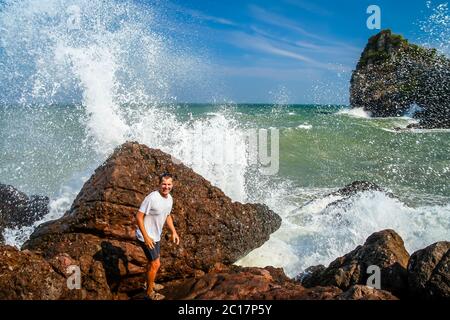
(413, 109)
(403, 129)
(355, 112)
(317, 234)
(305, 126)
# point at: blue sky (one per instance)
(243, 51)
(290, 51)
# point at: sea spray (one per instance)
(318, 233)
(436, 26)
(112, 62)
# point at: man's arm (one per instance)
(140, 222)
(175, 236)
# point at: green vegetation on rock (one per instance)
(393, 74)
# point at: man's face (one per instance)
(166, 186)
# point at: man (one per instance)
(153, 213)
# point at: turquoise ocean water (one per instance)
(52, 150)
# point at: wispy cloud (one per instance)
(309, 45)
(277, 20)
(306, 45)
(309, 6)
(202, 16)
(280, 21)
(196, 14)
(261, 44)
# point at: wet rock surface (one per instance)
(18, 210)
(384, 249)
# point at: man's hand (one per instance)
(175, 238)
(150, 243)
(174, 235)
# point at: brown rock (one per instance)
(25, 275)
(359, 292)
(244, 284)
(238, 283)
(384, 249)
(98, 230)
(429, 272)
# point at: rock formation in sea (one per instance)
(393, 75)
(19, 210)
(384, 249)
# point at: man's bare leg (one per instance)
(152, 269)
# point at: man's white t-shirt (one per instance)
(156, 209)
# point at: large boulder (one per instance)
(360, 292)
(18, 210)
(98, 232)
(384, 249)
(25, 275)
(239, 283)
(429, 272)
(393, 75)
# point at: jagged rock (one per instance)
(235, 282)
(258, 284)
(384, 249)
(25, 275)
(98, 230)
(392, 75)
(351, 190)
(429, 272)
(359, 292)
(357, 186)
(18, 210)
(311, 276)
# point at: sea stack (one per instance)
(393, 75)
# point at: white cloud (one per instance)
(290, 25)
(196, 14)
(255, 42)
(309, 6)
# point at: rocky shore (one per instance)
(97, 235)
(18, 210)
(394, 75)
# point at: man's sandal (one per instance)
(158, 287)
(154, 296)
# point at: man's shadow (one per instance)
(110, 257)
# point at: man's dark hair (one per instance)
(165, 175)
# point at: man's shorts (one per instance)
(151, 254)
